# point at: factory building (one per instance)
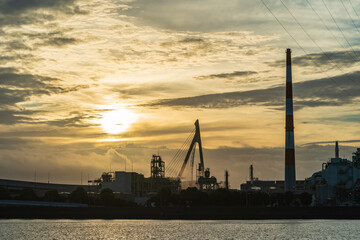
(338, 182)
(135, 184)
(270, 186)
(126, 183)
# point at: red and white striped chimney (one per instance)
(290, 177)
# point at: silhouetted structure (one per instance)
(157, 167)
(251, 173)
(196, 139)
(338, 182)
(337, 149)
(290, 177)
(227, 179)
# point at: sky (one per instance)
(92, 86)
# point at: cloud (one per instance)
(10, 97)
(335, 91)
(192, 40)
(11, 78)
(76, 121)
(16, 87)
(9, 117)
(10, 7)
(232, 75)
(198, 15)
(332, 142)
(61, 41)
(341, 59)
(27, 84)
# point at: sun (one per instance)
(117, 121)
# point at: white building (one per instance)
(338, 181)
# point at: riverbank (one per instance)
(190, 213)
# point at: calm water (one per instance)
(176, 229)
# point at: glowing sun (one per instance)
(117, 121)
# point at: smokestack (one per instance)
(251, 169)
(290, 178)
(227, 179)
(337, 149)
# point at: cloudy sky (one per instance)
(85, 85)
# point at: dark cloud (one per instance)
(16, 57)
(332, 142)
(153, 89)
(76, 121)
(192, 40)
(196, 41)
(232, 75)
(9, 97)
(339, 59)
(57, 37)
(61, 41)
(336, 91)
(17, 45)
(19, 42)
(18, 87)
(10, 77)
(14, 83)
(9, 117)
(9, 7)
(44, 13)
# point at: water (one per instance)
(179, 229)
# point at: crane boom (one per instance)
(196, 139)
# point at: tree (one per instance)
(52, 196)
(164, 197)
(193, 197)
(4, 194)
(79, 195)
(305, 198)
(28, 194)
(107, 196)
(288, 197)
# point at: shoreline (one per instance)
(180, 213)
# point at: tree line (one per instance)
(224, 197)
(164, 197)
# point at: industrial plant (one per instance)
(136, 185)
(337, 183)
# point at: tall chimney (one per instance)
(290, 178)
(251, 173)
(337, 149)
(227, 180)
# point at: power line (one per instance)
(342, 33)
(342, 2)
(326, 55)
(282, 25)
(299, 44)
(337, 40)
(354, 10)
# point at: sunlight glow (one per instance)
(117, 121)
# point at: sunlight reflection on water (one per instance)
(179, 229)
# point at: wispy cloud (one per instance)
(232, 75)
(334, 91)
